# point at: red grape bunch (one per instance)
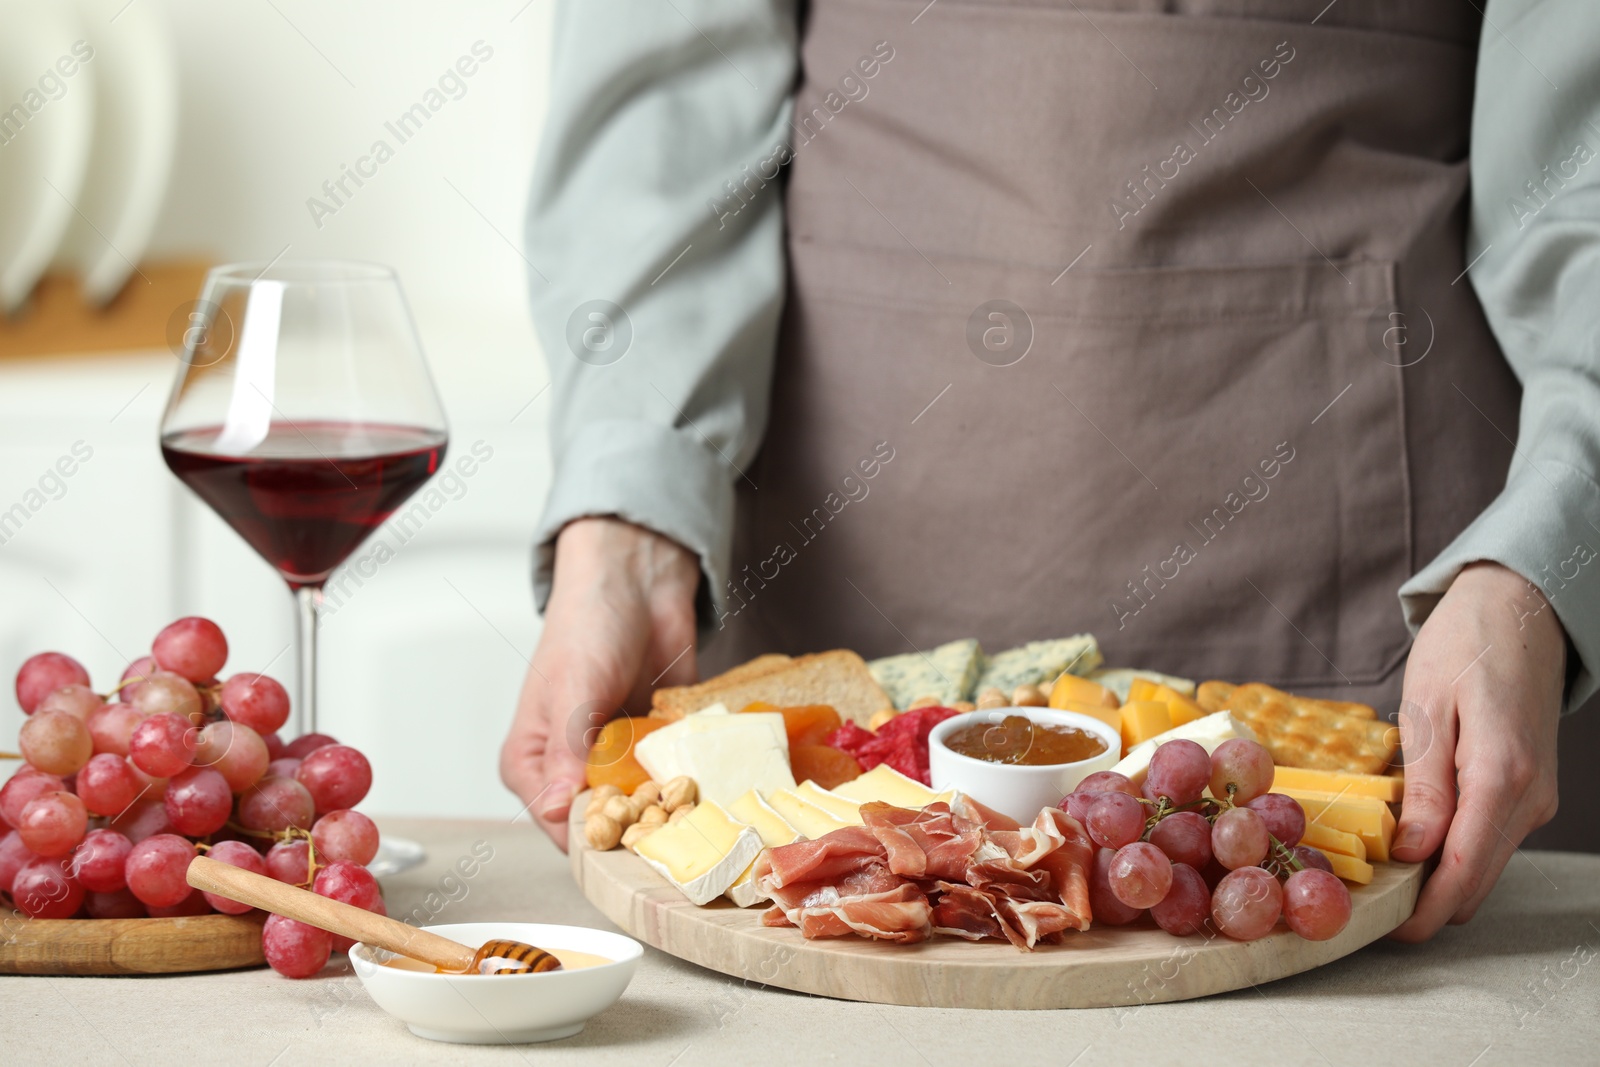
(117, 793)
(1204, 847)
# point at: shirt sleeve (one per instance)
(1534, 245)
(656, 233)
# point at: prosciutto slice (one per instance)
(959, 870)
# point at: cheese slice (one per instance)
(1142, 720)
(809, 819)
(844, 809)
(1349, 868)
(1207, 732)
(1112, 717)
(1385, 787)
(884, 783)
(756, 813)
(726, 755)
(1070, 688)
(1367, 817)
(703, 853)
(1328, 839)
(1181, 707)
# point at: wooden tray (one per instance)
(1104, 967)
(131, 946)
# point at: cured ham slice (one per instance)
(958, 869)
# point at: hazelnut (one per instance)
(620, 808)
(598, 797)
(1028, 696)
(679, 813)
(636, 833)
(681, 792)
(879, 718)
(925, 702)
(654, 815)
(992, 698)
(650, 792)
(602, 832)
(964, 705)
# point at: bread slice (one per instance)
(839, 678)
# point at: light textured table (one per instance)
(1520, 984)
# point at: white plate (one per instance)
(395, 854)
(503, 1009)
(135, 134)
(43, 160)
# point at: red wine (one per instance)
(308, 495)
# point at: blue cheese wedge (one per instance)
(702, 854)
(1118, 679)
(1208, 731)
(947, 673)
(1039, 661)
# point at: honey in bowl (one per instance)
(571, 960)
(1019, 740)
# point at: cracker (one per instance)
(1300, 732)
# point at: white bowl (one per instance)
(510, 1009)
(1014, 789)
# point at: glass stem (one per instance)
(308, 598)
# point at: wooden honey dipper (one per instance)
(346, 920)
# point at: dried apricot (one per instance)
(611, 760)
(807, 724)
(826, 766)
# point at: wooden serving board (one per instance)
(1103, 967)
(130, 946)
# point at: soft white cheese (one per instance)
(702, 854)
(726, 755)
(1208, 732)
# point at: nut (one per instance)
(636, 833)
(649, 791)
(964, 705)
(654, 815)
(680, 792)
(879, 718)
(598, 798)
(925, 702)
(1028, 696)
(992, 698)
(679, 813)
(602, 832)
(620, 808)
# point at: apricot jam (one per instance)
(1019, 740)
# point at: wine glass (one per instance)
(304, 415)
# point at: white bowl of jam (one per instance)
(500, 1009)
(1019, 760)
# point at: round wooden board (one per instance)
(1103, 967)
(131, 946)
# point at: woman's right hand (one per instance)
(620, 622)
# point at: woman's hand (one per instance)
(620, 621)
(1478, 715)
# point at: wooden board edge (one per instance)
(180, 945)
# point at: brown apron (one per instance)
(1140, 317)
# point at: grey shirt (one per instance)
(659, 408)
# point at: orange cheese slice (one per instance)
(1367, 817)
(1350, 869)
(1069, 688)
(1378, 786)
(1142, 720)
(1328, 839)
(1112, 717)
(1179, 706)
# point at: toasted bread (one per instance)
(839, 678)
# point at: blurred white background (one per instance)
(421, 661)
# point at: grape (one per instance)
(283, 767)
(288, 861)
(337, 776)
(236, 854)
(14, 855)
(1311, 857)
(1103, 903)
(145, 819)
(157, 868)
(111, 728)
(349, 883)
(139, 669)
(21, 788)
(276, 804)
(294, 949)
(193, 647)
(1285, 818)
(76, 700)
(1239, 838)
(1187, 905)
(305, 744)
(1179, 771)
(164, 692)
(275, 745)
(257, 701)
(193, 904)
(100, 860)
(1115, 819)
(56, 742)
(53, 823)
(345, 836)
(43, 674)
(198, 801)
(44, 890)
(163, 744)
(107, 784)
(1108, 782)
(1140, 874)
(233, 750)
(1242, 764)
(119, 905)
(1316, 905)
(1246, 903)
(1185, 837)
